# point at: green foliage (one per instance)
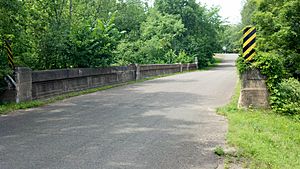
(129, 17)
(292, 64)
(201, 38)
(242, 65)
(286, 98)
(284, 93)
(12, 19)
(158, 33)
(183, 58)
(276, 21)
(219, 151)
(278, 31)
(92, 46)
(247, 12)
(59, 34)
(230, 37)
(271, 65)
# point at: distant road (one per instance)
(166, 123)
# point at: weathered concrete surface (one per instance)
(24, 84)
(167, 123)
(254, 92)
(48, 83)
(18, 87)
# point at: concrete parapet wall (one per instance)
(254, 91)
(44, 84)
(189, 66)
(155, 70)
(54, 82)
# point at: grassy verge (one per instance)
(265, 139)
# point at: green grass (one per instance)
(264, 138)
(217, 61)
(219, 151)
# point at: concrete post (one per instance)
(196, 62)
(137, 72)
(23, 77)
(181, 67)
(254, 91)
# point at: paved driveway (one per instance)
(167, 123)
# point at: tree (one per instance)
(92, 45)
(12, 14)
(248, 10)
(129, 17)
(202, 25)
(54, 34)
(158, 33)
(278, 25)
(231, 37)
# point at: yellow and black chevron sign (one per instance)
(10, 56)
(249, 43)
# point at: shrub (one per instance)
(292, 64)
(286, 97)
(242, 64)
(183, 57)
(271, 65)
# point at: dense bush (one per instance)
(270, 65)
(286, 97)
(242, 65)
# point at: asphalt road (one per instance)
(167, 123)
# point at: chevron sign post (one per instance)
(249, 43)
(10, 56)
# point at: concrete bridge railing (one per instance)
(33, 85)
